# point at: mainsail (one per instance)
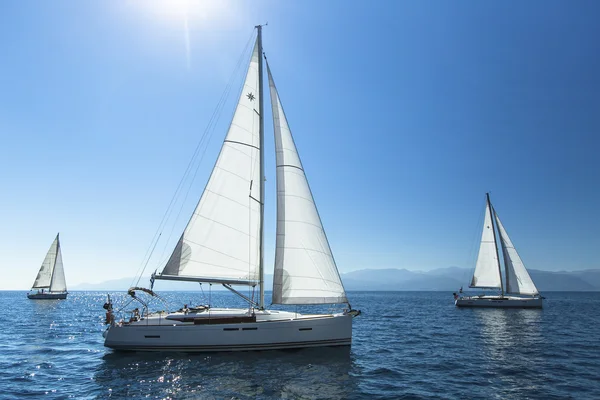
(305, 271)
(487, 271)
(221, 241)
(51, 275)
(518, 280)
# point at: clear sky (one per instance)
(404, 114)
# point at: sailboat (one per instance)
(223, 244)
(519, 289)
(50, 282)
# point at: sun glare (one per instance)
(186, 15)
(192, 10)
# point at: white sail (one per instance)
(44, 276)
(518, 280)
(487, 272)
(58, 282)
(305, 271)
(221, 240)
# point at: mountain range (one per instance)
(441, 279)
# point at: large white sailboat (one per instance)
(223, 244)
(50, 281)
(520, 291)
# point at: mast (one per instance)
(493, 216)
(261, 269)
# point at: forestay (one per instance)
(305, 271)
(518, 280)
(221, 240)
(487, 271)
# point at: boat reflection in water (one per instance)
(510, 341)
(301, 373)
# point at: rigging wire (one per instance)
(210, 129)
(205, 137)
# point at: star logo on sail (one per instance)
(250, 96)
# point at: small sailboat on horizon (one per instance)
(519, 291)
(223, 244)
(50, 283)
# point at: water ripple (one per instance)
(406, 345)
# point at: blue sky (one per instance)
(404, 114)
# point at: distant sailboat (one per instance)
(488, 275)
(50, 282)
(223, 244)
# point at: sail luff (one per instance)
(518, 279)
(261, 260)
(305, 270)
(487, 271)
(221, 239)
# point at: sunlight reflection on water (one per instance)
(405, 345)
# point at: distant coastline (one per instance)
(393, 279)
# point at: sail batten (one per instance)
(487, 273)
(305, 270)
(221, 241)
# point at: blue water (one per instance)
(405, 345)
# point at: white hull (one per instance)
(47, 296)
(194, 332)
(499, 302)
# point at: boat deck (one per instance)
(499, 301)
(215, 316)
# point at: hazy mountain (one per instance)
(591, 276)
(399, 279)
(566, 281)
(450, 278)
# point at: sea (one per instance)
(406, 345)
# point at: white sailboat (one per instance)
(519, 291)
(50, 282)
(223, 243)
